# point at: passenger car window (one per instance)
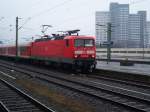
(67, 43)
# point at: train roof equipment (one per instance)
(58, 36)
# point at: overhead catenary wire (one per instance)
(64, 2)
(26, 21)
(60, 5)
(76, 18)
(45, 11)
(50, 9)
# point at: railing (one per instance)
(125, 52)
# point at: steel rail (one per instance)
(40, 107)
(138, 107)
(3, 108)
(133, 83)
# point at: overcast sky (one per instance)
(61, 14)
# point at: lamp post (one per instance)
(143, 42)
(109, 27)
(16, 36)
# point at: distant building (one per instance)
(134, 31)
(128, 30)
(148, 33)
(143, 35)
(102, 18)
(119, 16)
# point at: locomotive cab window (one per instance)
(89, 42)
(84, 42)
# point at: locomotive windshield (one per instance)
(84, 42)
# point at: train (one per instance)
(67, 49)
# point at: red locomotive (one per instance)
(66, 49)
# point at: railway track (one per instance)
(133, 100)
(127, 82)
(14, 100)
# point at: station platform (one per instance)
(141, 69)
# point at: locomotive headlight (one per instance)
(93, 56)
(75, 56)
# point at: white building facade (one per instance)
(134, 31)
(143, 32)
(102, 19)
(148, 33)
(127, 31)
(119, 16)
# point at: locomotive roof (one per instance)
(62, 37)
(79, 37)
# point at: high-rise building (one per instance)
(143, 35)
(134, 31)
(127, 31)
(102, 18)
(148, 33)
(119, 16)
